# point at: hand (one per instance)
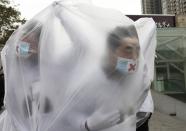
(101, 120)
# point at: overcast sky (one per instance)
(29, 8)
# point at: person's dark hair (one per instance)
(115, 37)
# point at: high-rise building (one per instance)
(174, 7)
(151, 6)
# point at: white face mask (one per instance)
(23, 49)
(126, 66)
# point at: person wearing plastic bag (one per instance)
(123, 46)
(27, 49)
(27, 52)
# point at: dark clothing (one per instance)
(2, 91)
(145, 125)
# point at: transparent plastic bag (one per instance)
(74, 60)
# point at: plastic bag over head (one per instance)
(76, 65)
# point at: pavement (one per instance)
(162, 122)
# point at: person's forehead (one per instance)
(133, 41)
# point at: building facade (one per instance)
(166, 7)
(151, 6)
(174, 7)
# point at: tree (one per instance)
(10, 19)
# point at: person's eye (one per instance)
(128, 49)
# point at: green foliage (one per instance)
(4, 2)
(10, 19)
